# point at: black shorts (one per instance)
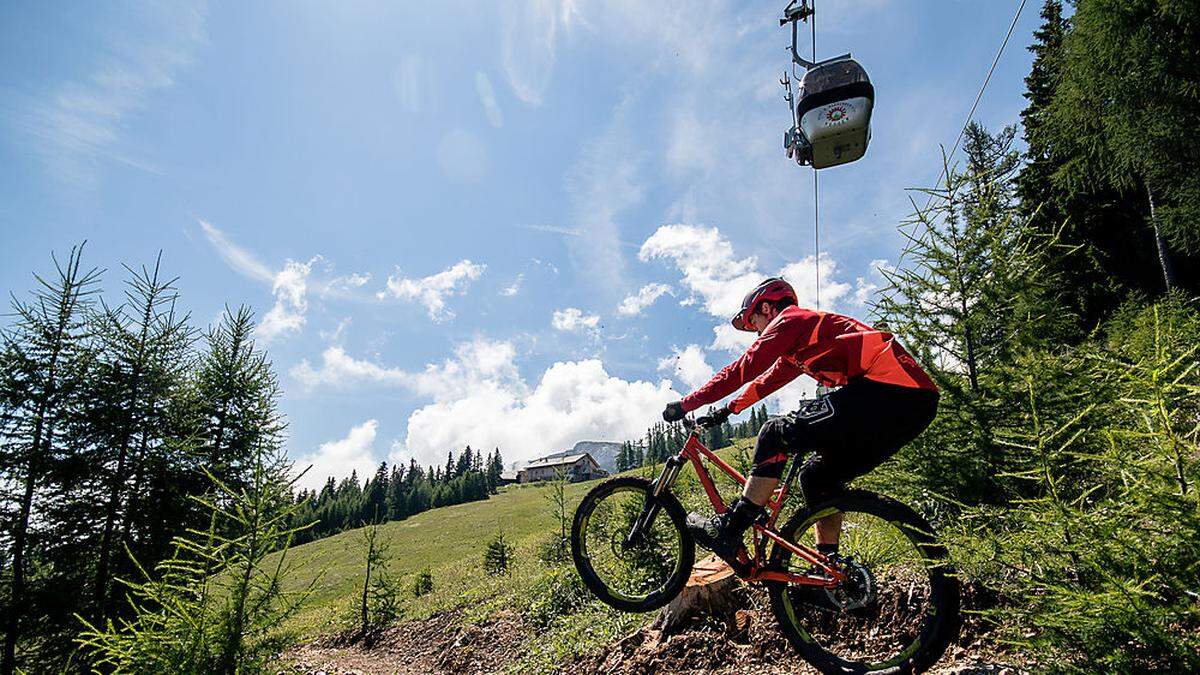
(850, 432)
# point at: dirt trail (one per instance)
(745, 642)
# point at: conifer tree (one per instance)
(47, 360)
(974, 289)
(375, 499)
(143, 356)
(494, 469)
(1126, 113)
(216, 605)
(232, 411)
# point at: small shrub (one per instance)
(554, 550)
(557, 593)
(423, 583)
(498, 556)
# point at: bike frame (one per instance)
(754, 570)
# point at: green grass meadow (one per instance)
(450, 542)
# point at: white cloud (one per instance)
(242, 261)
(706, 259)
(515, 287)
(687, 365)
(472, 361)
(487, 96)
(573, 318)
(634, 304)
(718, 279)
(431, 291)
(340, 370)
(493, 407)
(344, 285)
(802, 276)
(355, 452)
(335, 335)
(412, 81)
(289, 285)
(866, 288)
(291, 304)
(555, 229)
(730, 339)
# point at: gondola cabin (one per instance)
(834, 104)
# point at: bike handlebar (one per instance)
(702, 422)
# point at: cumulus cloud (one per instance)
(866, 287)
(706, 259)
(572, 319)
(431, 291)
(287, 315)
(718, 279)
(515, 287)
(687, 365)
(494, 407)
(474, 360)
(339, 370)
(802, 276)
(354, 453)
(634, 304)
(290, 285)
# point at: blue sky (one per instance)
(515, 224)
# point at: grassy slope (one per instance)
(450, 541)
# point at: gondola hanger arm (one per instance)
(795, 12)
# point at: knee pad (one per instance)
(770, 451)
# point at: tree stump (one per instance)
(709, 592)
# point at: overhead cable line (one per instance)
(816, 193)
(978, 98)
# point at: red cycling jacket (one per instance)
(831, 348)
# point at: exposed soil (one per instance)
(438, 644)
(749, 641)
(746, 640)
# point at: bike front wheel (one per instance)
(631, 571)
(898, 609)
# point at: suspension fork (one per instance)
(650, 509)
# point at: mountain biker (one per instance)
(884, 401)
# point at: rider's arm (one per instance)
(775, 341)
(784, 371)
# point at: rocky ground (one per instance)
(746, 641)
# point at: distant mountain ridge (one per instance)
(604, 452)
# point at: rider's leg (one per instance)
(759, 489)
(723, 533)
(820, 481)
(829, 531)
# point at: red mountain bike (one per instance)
(888, 603)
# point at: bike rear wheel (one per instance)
(897, 611)
(631, 575)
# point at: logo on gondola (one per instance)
(837, 113)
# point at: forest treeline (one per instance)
(664, 440)
(396, 493)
